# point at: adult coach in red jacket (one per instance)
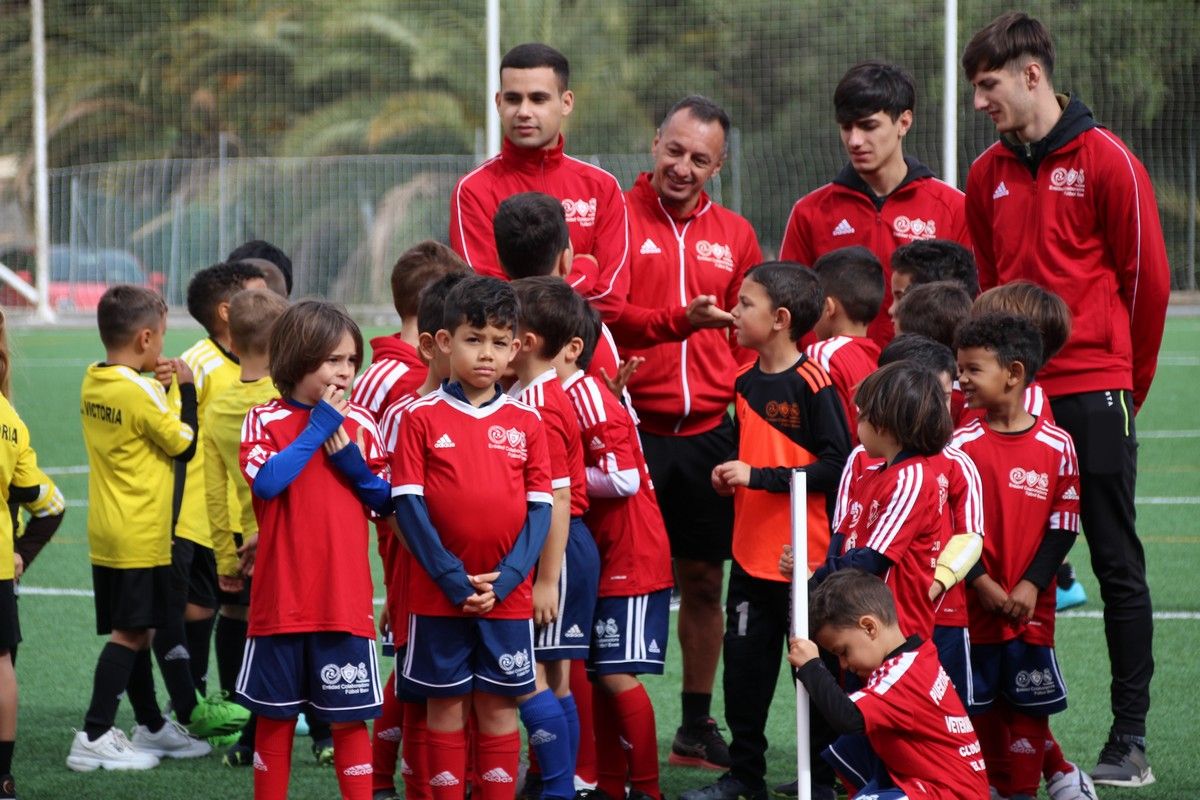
(881, 199)
(1062, 202)
(533, 102)
(688, 259)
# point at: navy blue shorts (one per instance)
(629, 636)
(453, 656)
(954, 651)
(568, 638)
(853, 758)
(1026, 675)
(402, 694)
(332, 675)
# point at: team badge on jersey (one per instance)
(1033, 483)
(719, 255)
(580, 212)
(909, 228)
(1067, 181)
(510, 440)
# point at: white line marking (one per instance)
(1168, 501)
(78, 469)
(1158, 615)
(1168, 434)
(1178, 360)
(54, 592)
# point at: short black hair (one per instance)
(702, 109)
(217, 284)
(480, 301)
(922, 350)
(257, 248)
(792, 286)
(872, 86)
(1010, 336)
(531, 232)
(1010, 36)
(589, 327)
(929, 260)
(431, 303)
(854, 277)
(551, 309)
(124, 310)
(532, 55)
(906, 400)
(847, 596)
(934, 310)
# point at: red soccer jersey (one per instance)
(397, 561)
(919, 729)
(1036, 403)
(591, 199)
(635, 554)
(963, 513)
(395, 370)
(316, 528)
(896, 511)
(686, 385)
(546, 394)
(477, 469)
(1030, 488)
(844, 213)
(847, 359)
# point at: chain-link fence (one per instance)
(179, 128)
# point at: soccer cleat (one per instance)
(727, 787)
(1073, 785)
(592, 793)
(386, 794)
(533, 788)
(633, 794)
(113, 750)
(1070, 598)
(1122, 762)
(240, 755)
(323, 752)
(216, 716)
(172, 740)
(224, 740)
(8, 788)
(699, 745)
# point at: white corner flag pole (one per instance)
(800, 623)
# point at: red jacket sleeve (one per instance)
(611, 288)
(1129, 214)
(979, 227)
(471, 233)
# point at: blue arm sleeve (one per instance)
(440, 564)
(863, 558)
(371, 489)
(516, 566)
(283, 467)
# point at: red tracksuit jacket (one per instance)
(592, 202)
(686, 384)
(1076, 214)
(846, 212)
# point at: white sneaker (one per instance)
(1073, 785)
(111, 751)
(171, 741)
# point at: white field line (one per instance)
(1178, 360)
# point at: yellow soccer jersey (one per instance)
(18, 466)
(221, 439)
(131, 433)
(215, 371)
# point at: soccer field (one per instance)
(59, 651)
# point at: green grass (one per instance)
(58, 654)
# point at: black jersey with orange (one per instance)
(785, 421)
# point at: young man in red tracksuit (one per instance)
(533, 102)
(688, 259)
(1062, 202)
(881, 199)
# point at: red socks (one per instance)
(352, 760)
(1054, 762)
(585, 758)
(636, 715)
(497, 759)
(447, 752)
(272, 758)
(1026, 751)
(612, 762)
(385, 742)
(992, 729)
(415, 761)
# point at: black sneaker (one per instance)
(634, 794)
(8, 788)
(533, 788)
(727, 787)
(386, 794)
(596, 794)
(1123, 762)
(240, 755)
(700, 745)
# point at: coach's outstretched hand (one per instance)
(703, 312)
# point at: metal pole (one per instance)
(493, 77)
(950, 95)
(735, 150)
(222, 158)
(799, 507)
(41, 175)
(1192, 210)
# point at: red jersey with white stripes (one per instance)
(846, 212)
(847, 359)
(395, 370)
(397, 561)
(686, 385)
(591, 199)
(920, 730)
(635, 554)
(1035, 401)
(1031, 490)
(314, 529)
(477, 469)
(546, 394)
(896, 511)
